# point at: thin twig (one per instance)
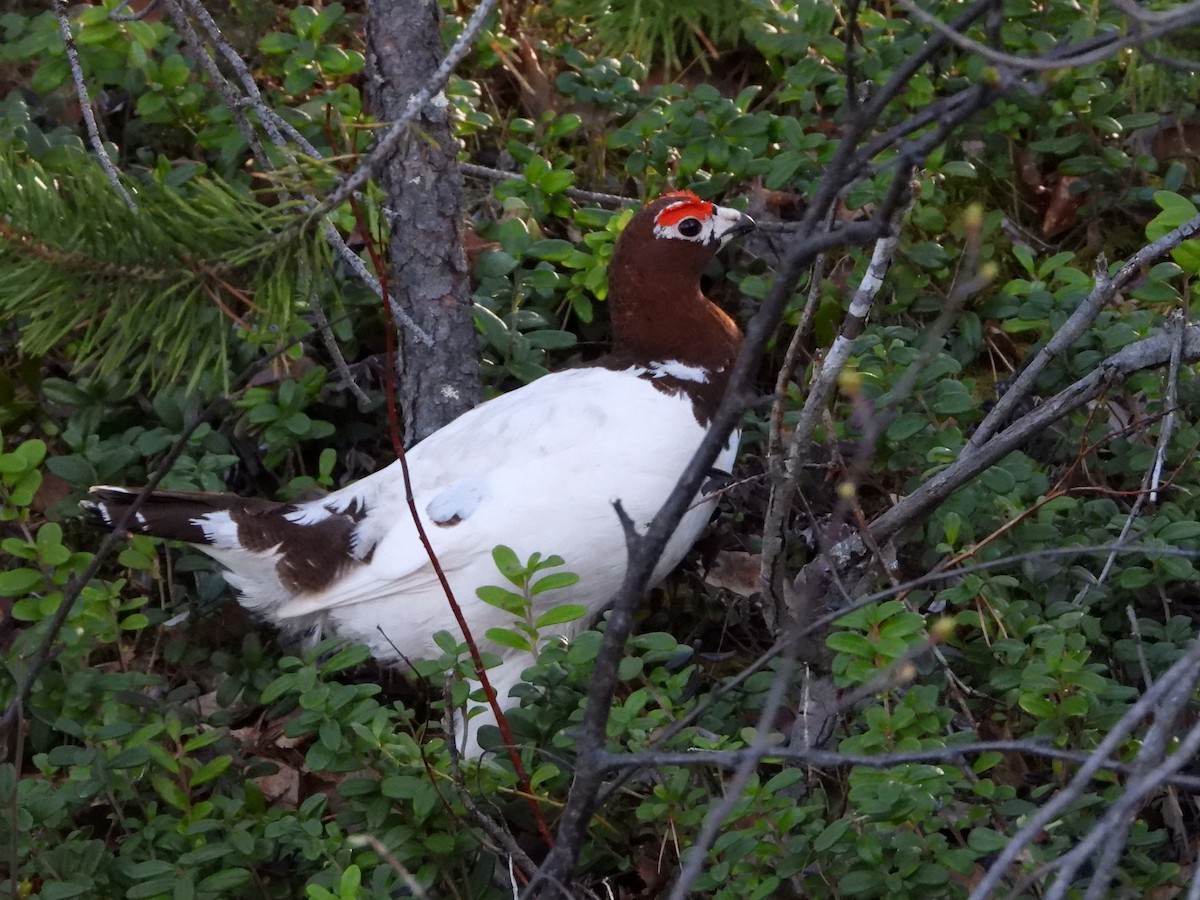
(14, 799)
(1183, 17)
(385, 853)
(816, 280)
(276, 127)
(1144, 354)
(819, 393)
(646, 548)
(1115, 830)
(85, 104)
(387, 145)
(1184, 670)
(1105, 290)
(1172, 407)
(951, 754)
(335, 352)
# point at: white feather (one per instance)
(539, 470)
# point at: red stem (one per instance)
(398, 447)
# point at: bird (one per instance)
(540, 469)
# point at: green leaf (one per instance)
(225, 881)
(550, 339)
(302, 18)
(564, 612)
(277, 43)
(51, 74)
(998, 480)
(15, 582)
(446, 642)
(552, 250)
(557, 181)
(98, 33)
(1135, 577)
(554, 582)
(284, 684)
(905, 426)
(151, 104)
(952, 398)
(495, 264)
(987, 840)
(155, 887)
(330, 734)
(214, 768)
(174, 72)
(850, 642)
(1037, 705)
(1024, 256)
(325, 20)
(507, 638)
(952, 524)
(563, 125)
(536, 169)
(959, 169)
(135, 622)
(1179, 531)
(630, 667)
(62, 890)
(346, 658)
(170, 792)
(502, 599)
(692, 157)
(142, 33)
(509, 565)
(831, 835)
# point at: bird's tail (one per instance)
(175, 515)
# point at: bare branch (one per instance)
(85, 104)
(1114, 827)
(811, 241)
(819, 393)
(1172, 407)
(1185, 671)
(1069, 58)
(276, 127)
(1106, 288)
(1144, 354)
(389, 142)
(953, 754)
(335, 352)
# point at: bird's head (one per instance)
(674, 237)
(656, 306)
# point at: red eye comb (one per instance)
(688, 204)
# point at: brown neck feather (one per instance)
(656, 307)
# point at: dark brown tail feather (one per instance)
(165, 514)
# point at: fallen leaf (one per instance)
(736, 571)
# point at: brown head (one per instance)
(657, 309)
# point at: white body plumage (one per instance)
(538, 469)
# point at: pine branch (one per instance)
(160, 291)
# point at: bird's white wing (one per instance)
(537, 469)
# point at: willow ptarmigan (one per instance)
(538, 469)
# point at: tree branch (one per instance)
(1144, 354)
(85, 103)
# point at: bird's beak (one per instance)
(744, 225)
(733, 224)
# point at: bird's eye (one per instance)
(690, 227)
